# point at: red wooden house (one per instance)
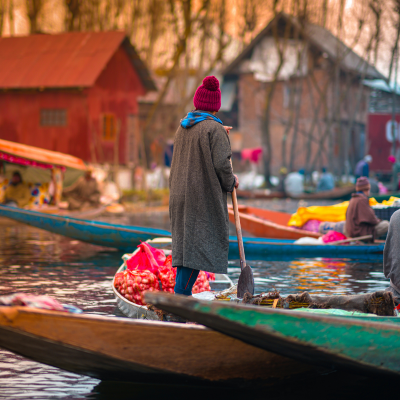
(73, 92)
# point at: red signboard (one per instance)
(380, 139)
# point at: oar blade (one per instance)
(246, 282)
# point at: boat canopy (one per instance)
(23, 154)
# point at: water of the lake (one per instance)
(38, 262)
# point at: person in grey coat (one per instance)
(391, 256)
(201, 176)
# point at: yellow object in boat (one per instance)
(335, 213)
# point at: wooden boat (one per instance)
(366, 345)
(343, 193)
(259, 194)
(113, 348)
(132, 310)
(126, 238)
(268, 224)
(35, 158)
(101, 233)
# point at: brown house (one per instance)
(319, 105)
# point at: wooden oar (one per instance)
(246, 279)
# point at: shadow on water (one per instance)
(334, 385)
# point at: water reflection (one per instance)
(319, 275)
(40, 262)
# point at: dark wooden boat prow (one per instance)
(259, 194)
(363, 345)
(343, 193)
(112, 348)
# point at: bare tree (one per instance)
(72, 14)
(2, 14)
(11, 16)
(179, 51)
(324, 12)
(33, 8)
(250, 11)
(207, 61)
(280, 46)
(155, 12)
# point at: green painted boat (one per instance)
(365, 345)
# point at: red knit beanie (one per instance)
(362, 184)
(208, 95)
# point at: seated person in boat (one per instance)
(360, 217)
(282, 176)
(201, 176)
(395, 173)
(391, 256)
(17, 193)
(326, 182)
(84, 193)
(362, 167)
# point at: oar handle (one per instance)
(238, 228)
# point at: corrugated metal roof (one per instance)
(73, 59)
(319, 37)
(380, 84)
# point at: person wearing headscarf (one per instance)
(84, 193)
(395, 173)
(360, 217)
(362, 167)
(201, 176)
(282, 176)
(17, 193)
(391, 256)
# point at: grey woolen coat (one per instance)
(201, 175)
(391, 255)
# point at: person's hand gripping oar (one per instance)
(246, 279)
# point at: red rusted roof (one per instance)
(73, 59)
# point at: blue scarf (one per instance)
(194, 117)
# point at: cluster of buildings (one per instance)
(88, 94)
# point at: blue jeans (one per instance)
(185, 279)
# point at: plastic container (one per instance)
(385, 213)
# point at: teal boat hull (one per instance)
(365, 345)
(95, 232)
(126, 238)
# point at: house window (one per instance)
(53, 117)
(109, 127)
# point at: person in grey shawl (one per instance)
(201, 176)
(391, 256)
